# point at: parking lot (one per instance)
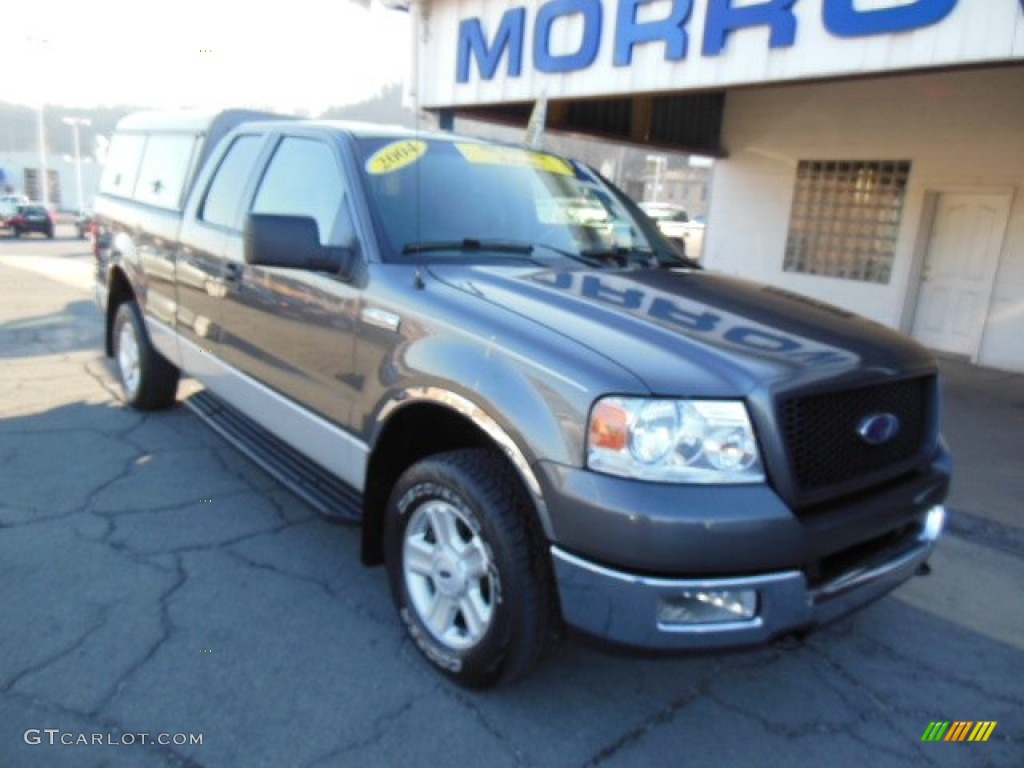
(156, 582)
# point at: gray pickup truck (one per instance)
(540, 420)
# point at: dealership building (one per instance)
(870, 153)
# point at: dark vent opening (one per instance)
(840, 563)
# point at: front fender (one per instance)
(540, 410)
(482, 420)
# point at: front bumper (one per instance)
(624, 608)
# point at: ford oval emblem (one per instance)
(878, 428)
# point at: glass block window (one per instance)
(846, 218)
(34, 187)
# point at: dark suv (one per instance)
(32, 217)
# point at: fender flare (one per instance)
(485, 423)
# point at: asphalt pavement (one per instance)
(164, 602)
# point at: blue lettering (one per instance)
(671, 30)
(759, 340)
(543, 59)
(843, 20)
(669, 312)
(630, 298)
(473, 44)
(840, 18)
(722, 19)
(821, 358)
(560, 280)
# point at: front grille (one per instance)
(826, 453)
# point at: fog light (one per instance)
(708, 606)
(934, 522)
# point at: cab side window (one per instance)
(303, 179)
(122, 166)
(165, 166)
(222, 205)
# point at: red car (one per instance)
(32, 217)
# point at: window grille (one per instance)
(34, 187)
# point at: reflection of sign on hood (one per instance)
(698, 320)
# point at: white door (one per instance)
(959, 270)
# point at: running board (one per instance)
(305, 478)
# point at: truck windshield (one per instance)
(455, 198)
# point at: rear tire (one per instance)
(148, 381)
(468, 570)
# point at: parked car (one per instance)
(9, 207)
(33, 217)
(677, 226)
(669, 218)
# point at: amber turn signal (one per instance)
(609, 427)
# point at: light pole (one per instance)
(74, 122)
(43, 171)
(38, 44)
(660, 161)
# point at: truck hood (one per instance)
(696, 333)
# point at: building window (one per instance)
(846, 218)
(34, 188)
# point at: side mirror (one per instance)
(293, 242)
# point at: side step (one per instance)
(305, 478)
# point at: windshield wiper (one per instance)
(621, 256)
(647, 257)
(574, 255)
(469, 244)
(603, 258)
(598, 258)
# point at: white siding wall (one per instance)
(15, 163)
(961, 131)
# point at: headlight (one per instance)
(673, 441)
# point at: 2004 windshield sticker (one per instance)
(395, 156)
(491, 155)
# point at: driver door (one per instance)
(292, 329)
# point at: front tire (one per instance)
(468, 570)
(148, 381)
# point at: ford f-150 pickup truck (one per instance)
(540, 421)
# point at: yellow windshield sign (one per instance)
(491, 155)
(395, 155)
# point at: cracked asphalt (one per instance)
(154, 581)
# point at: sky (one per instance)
(296, 55)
